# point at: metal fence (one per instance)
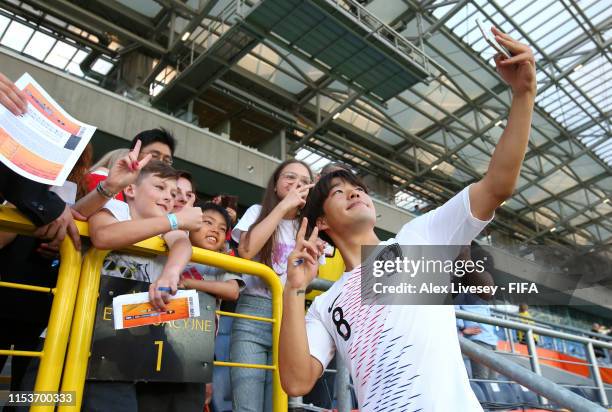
(86, 275)
(77, 292)
(503, 365)
(64, 295)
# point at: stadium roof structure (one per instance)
(318, 71)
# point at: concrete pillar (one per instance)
(223, 129)
(134, 68)
(276, 146)
(379, 186)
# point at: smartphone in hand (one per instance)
(491, 40)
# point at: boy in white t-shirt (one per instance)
(401, 357)
(147, 213)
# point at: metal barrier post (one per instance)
(509, 336)
(82, 327)
(539, 384)
(295, 403)
(239, 265)
(58, 329)
(343, 388)
(601, 391)
(534, 360)
(62, 308)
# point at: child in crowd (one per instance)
(211, 236)
(217, 282)
(147, 213)
(266, 233)
(185, 191)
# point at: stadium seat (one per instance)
(500, 392)
(585, 392)
(526, 396)
(478, 392)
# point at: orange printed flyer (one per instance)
(134, 309)
(46, 142)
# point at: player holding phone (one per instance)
(401, 357)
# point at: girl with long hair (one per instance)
(266, 233)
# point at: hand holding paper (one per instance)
(135, 309)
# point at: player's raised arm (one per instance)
(504, 168)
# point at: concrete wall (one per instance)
(123, 118)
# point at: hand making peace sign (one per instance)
(303, 261)
(125, 171)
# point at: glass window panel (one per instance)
(102, 66)
(60, 55)
(73, 66)
(40, 45)
(4, 22)
(16, 36)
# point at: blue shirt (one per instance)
(472, 303)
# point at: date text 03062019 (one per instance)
(429, 288)
(27, 398)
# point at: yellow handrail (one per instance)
(54, 349)
(82, 326)
(238, 265)
(61, 320)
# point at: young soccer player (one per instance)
(401, 357)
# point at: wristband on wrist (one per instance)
(103, 192)
(173, 221)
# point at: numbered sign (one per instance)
(177, 351)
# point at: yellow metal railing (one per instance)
(82, 325)
(54, 349)
(75, 353)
